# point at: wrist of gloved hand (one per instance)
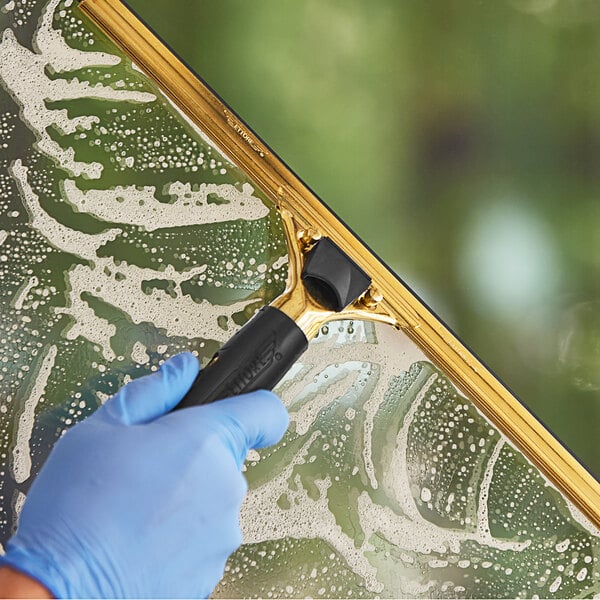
(137, 501)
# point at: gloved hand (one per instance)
(134, 502)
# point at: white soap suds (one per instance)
(582, 574)
(74, 242)
(379, 355)
(49, 43)
(555, 585)
(21, 451)
(401, 523)
(23, 74)
(18, 503)
(252, 456)
(22, 293)
(332, 382)
(139, 205)
(311, 387)
(579, 517)
(139, 354)
(396, 479)
(483, 523)
(350, 348)
(89, 325)
(262, 519)
(199, 132)
(102, 397)
(282, 260)
(562, 546)
(178, 316)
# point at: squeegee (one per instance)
(332, 275)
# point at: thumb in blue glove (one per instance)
(135, 502)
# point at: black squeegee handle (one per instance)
(266, 347)
(256, 357)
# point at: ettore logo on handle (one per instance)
(241, 131)
(262, 361)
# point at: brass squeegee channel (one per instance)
(246, 149)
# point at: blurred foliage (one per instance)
(461, 140)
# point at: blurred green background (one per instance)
(461, 140)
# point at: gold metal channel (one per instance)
(398, 304)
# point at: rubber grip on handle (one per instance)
(256, 357)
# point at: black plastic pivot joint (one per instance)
(264, 349)
(331, 278)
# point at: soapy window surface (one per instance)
(126, 236)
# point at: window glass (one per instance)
(391, 484)
(126, 236)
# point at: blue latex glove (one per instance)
(134, 502)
